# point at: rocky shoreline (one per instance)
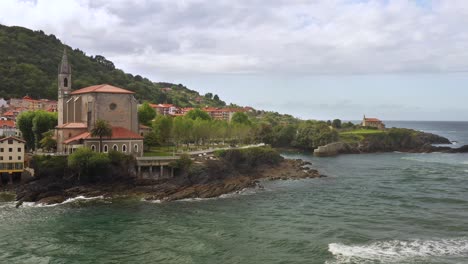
(409, 141)
(48, 192)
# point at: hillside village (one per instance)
(106, 118)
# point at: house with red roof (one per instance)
(165, 109)
(78, 112)
(8, 128)
(372, 122)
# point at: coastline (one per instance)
(207, 179)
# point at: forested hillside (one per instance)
(29, 61)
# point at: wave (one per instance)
(67, 201)
(245, 191)
(397, 251)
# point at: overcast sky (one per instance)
(393, 59)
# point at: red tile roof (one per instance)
(102, 88)
(8, 123)
(370, 119)
(78, 137)
(117, 133)
(9, 113)
(73, 125)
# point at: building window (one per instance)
(124, 148)
(69, 135)
(93, 148)
(106, 148)
(19, 149)
(10, 149)
(115, 148)
(135, 147)
(1, 158)
(112, 106)
(19, 157)
(10, 158)
(10, 141)
(1, 149)
(65, 82)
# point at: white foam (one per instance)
(7, 205)
(245, 191)
(70, 200)
(397, 251)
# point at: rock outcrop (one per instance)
(399, 140)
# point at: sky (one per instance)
(317, 59)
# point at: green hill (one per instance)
(29, 61)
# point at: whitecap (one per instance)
(67, 201)
(245, 191)
(397, 251)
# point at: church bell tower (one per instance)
(64, 88)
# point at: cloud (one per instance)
(258, 36)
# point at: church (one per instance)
(79, 110)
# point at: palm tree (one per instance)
(101, 129)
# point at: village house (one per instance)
(222, 113)
(29, 104)
(79, 110)
(165, 109)
(8, 128)
(372, 122)
(11, 158)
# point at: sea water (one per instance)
(373, 208)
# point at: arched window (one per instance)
(93, 148)
(106, 149)
(124, 148)
(135, 147)
(65, 82)
(69, 135)
(115, 148)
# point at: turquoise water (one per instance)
(377, 208)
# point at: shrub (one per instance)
(89, 165)
(49, 166)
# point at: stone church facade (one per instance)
(79, 110)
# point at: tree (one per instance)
(209, 95)
(198, 114)
(216, 97)
(33, 124)
(25, 123)
(241, 118)
(163, 127)
(43, 122)
(48, 143)
(151, 140)
(145, 114)
(311, 135)
(336, 123)
(88, 163)
(101, 129)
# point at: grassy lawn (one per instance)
(358, 135)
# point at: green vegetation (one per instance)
(363, 131)
(146, 114)
(87, 163)
(48, 143)
(28, 66)
(246, 159)
(101, 129)
(34, 125)
(84, 165)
